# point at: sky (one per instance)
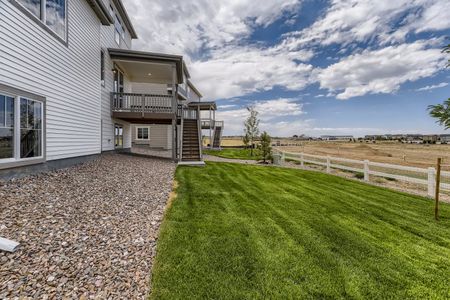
(310, 67)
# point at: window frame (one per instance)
(17, 161)
(41, 21)
(137, 133)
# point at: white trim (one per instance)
(16, 130)
(43, 17)
(142, 127)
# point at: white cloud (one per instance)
(270, 111)
(380, 71)
(385, 21)
(432, 87)
(239, 71)
(186, 27)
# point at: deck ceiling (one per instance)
(146, 72)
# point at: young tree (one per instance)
(266, 149)
(441, 112)
(251, 130)
(245, 140)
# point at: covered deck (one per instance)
(141, 93)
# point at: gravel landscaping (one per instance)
(86, 232)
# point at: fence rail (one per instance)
(425, 176)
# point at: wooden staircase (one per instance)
(191, 150)
(217, 137)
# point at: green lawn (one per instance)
(235, 153)
(253, 232)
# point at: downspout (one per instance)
(8, 245)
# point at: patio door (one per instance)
(118, 86)
(118, 136)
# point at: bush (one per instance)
(359, 175)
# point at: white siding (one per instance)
(107, 41)
(160, 136)
(68, 76)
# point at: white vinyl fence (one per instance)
(415, 175)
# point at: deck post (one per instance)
(174, 115)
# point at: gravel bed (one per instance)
(86, 232)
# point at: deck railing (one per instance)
(144, 103)
(211, 123)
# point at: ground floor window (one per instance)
(142, 133)
(21, 128)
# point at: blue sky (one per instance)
(309, 67)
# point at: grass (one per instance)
(252, 232)
(235, 153)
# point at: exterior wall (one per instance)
(147, 88)
(107, 41)
(68, 76)
(160, 136)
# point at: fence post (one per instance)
(283, 158)
(302, 163)
(431, 181)
(328, 164)
(366, 170)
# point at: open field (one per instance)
(414, 155)
(251, 232)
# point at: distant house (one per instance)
(71, 87)
(337, 137)
(430, 138)
(444, 138)
(414, 138)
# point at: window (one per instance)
(21, 128)
(102, 67)
(142, 133)
(6, 127)
(30, 128)
(52, 13)
(118, 30)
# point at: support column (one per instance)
(175, 111)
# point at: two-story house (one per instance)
(71, 87)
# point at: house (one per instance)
(72, 88)
(414, 138)
(337, 137)
(444, 138)
(430, 138)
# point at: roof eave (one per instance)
(149, 56)
(101, 11)
(191, 85)
(125, 18)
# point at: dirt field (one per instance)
(416, 155)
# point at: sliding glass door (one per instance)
(118, 136)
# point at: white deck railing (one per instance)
(421, 176)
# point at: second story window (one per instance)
(118, 32)
(52, 13)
